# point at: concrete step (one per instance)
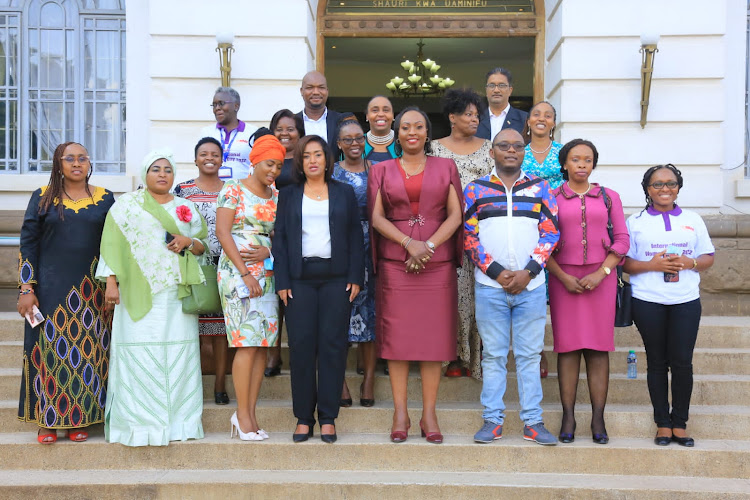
(707, 389)
(368, 484)
(623, 421)
(716, 332)
(363, 452)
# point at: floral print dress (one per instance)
(362, 320)
(250, 322)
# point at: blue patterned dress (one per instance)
(549, 170)
(362, 322)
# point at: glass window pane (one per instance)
(52, 69)
(106, 60)
(52, 15)
(71, 54)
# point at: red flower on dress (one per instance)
(184, 213)
(266, 212)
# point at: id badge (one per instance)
(225, 173)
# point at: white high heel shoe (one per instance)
(262, 433)
(245, 436)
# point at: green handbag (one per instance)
(204, 297)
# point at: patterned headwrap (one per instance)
(267, 147)
(154, 155)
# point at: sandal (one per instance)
(49, 438)
(78, 436)
(455, 371)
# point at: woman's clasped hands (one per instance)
(419, 255)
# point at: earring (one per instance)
(528, 131)
(453, 124)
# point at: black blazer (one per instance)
(515, 119)
(332, 121)
(347, 243)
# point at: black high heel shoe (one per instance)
(328, 438)
(272, 371)
(367, 403)
(300, 438)
(566, 437)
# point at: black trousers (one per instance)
(317, 321)
(669, 334)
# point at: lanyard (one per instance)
(230, 137)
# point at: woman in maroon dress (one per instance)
(416, 207)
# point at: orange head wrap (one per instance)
(267, 147)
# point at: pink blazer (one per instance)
(439, 175)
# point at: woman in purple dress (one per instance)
(583, 285)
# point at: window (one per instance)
(62, 78)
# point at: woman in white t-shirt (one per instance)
(669, 247)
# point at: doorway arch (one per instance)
(431, 24)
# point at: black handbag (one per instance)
(624, 304)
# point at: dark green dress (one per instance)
(65, 360)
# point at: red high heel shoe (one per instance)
(431, 437)
(400, 436)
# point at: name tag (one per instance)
(225, 173)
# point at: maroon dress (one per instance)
(417, 314)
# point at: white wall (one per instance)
(695, 117)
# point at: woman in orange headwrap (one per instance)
(245, 218)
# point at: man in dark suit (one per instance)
(499, 114)
(318, 119)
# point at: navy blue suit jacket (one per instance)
(515, 119)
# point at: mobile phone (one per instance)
(672, 277)
(35, 317)
(243, 292)
(168, 238)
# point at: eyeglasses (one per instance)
(505, 146)
(220, 104)
(660, 185)
(493, 86)
(351, 140)
(72, 159)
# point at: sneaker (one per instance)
(539, 434)
(489, 432)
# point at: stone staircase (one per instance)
(364, 464)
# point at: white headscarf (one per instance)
(154, 155)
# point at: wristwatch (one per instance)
(430, 245)
(532, 273)
(606, 270)
(191, 245)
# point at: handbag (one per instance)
(624, 300)
(204, 297)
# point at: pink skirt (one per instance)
(583, 321)
(417, 314)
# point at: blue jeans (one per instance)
(525, 314)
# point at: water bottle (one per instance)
(632, 365)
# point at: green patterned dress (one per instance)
(250, 322)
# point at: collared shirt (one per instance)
(498, 238)
(316, 127)
(496, 121)
(652, 232)
(236, 148)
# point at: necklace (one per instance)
(416, 172)
(380, 140)
(581, 195)
(319, 194)
(542, 151)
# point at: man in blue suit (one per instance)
(500, 114)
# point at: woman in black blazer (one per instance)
(319, 267)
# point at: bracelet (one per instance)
(191, 245)
(402, 241)
(245, 274)
(26, 292)
(408, 242)
(695, 264)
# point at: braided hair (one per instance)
(650, 172)
(55, 188)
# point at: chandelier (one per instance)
(421, 78)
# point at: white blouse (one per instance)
(316, 230)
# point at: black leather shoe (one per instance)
(272, 371)
(684, 441)
(301, 438)
(221, 398)
(345, 403)
(329, 438)
(662, 440)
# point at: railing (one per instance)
(10, 241)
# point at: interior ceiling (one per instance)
(484, 51)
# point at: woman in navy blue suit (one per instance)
(319, 267)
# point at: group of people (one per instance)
(441, 251)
